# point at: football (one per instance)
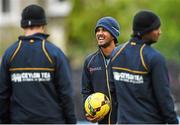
(97, 105)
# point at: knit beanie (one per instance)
(33, 15)
(111, 25)
(144, 22)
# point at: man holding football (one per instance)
(97, 75)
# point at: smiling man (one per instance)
(97, 75)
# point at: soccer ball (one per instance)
(97, 105)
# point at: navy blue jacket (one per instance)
(142, 85)
(97, 77)
(35, 83)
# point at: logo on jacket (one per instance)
(127, 77)
(31, 77)
(94, 69)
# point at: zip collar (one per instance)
(39, 36)
(140, 41)
(114, 51)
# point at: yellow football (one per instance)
(97, 105)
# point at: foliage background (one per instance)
(81, 22)
(81, 41)
(85, 14)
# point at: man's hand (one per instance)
(93, 119)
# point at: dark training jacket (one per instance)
(97, 77)
(142, 85)
(35, 83)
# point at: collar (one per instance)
(40, 36)
(137, 40)
(109, 56)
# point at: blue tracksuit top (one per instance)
(35, 83)
(97, 77)
(142, 85)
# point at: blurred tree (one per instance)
(170, 41)
(85, 13)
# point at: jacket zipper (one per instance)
(107, 78)
(108, 87)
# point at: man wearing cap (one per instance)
(97, 75)
(141, 76)
(35, 82)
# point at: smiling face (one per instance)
(103, 37)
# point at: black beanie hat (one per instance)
(144, 22)
(33, 15)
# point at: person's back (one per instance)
(36, 79)
(136, 92)
(141, 76)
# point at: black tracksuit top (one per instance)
(97, 77)
(142, 85)
(35, 83)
